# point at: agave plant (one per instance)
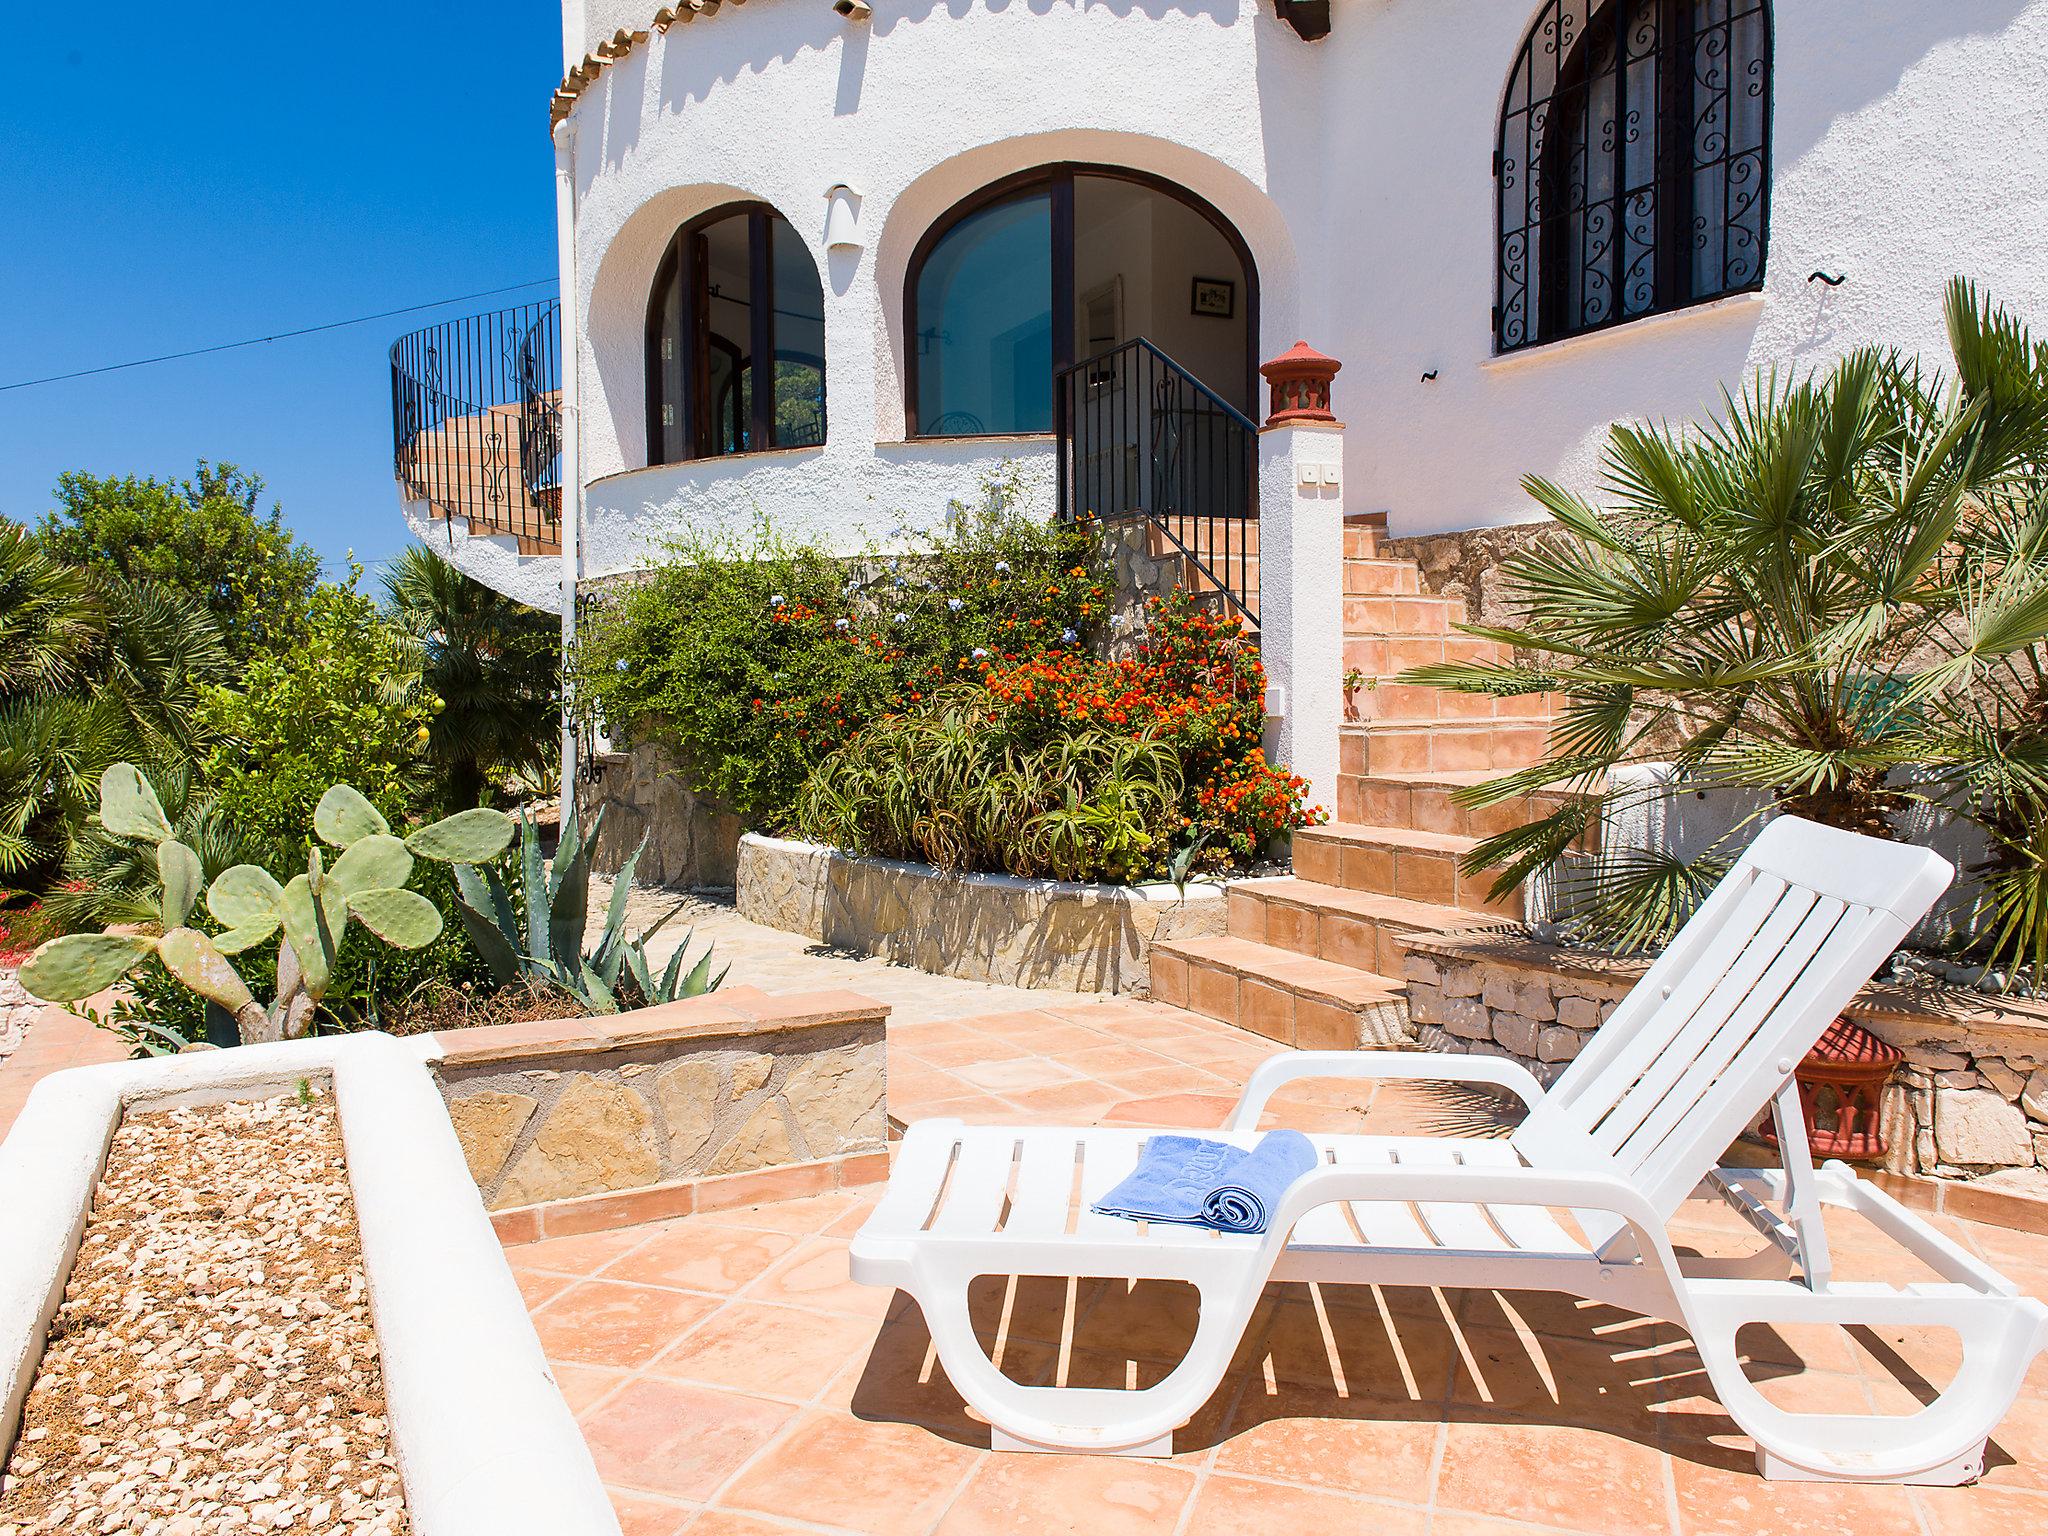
(545, 941)
(1832, 592)
(316, 910)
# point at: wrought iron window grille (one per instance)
(1632, 170)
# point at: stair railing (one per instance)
(1142, 439)
(476, 420)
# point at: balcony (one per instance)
(476, 424)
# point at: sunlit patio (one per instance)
(730, 1377)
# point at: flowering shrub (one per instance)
(755, 658)
(1068, 764)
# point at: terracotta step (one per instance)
(1239, 535)
(1382, 578)
(1421, 702)
(1423, 802)
(1315, 1005)
(1398, 861)
(1364, 532)
(1388, 656)
(1361, 929)
(1395, 747)
(1402, 615)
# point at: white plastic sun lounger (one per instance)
(1706, 1040)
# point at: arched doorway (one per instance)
(1057, 265)
(735, 285)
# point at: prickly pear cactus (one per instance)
(313, 911)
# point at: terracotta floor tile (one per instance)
(584, 1254)
(583, 1385)
(1230, 1506)
(1556, 1475)
(668, 1438)
(1005, 1076)
(1190, 1110)
(1982, 1511)
(898, 1380)
(1548, 1380)
(833, 1470)
(1359, 1445)
(955, 1054)
(1078, 1103)
(607, 1322)
(1152, 1082)
(816, 1275)
(1715, 1500)
(783, 1352)
(700, 1255)
(723, 1522)
(1108, 1057)
(538, 1287)
(800, 1218)
(1034, 1495)
(1401, 1357)
(640, 1516)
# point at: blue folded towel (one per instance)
(1207, 1183)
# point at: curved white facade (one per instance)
(1910, 144)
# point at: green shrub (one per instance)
(755, 657)
(341, 705)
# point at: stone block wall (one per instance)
(1501, 996)
(727, 1083)
(1970, 1099)
(1019, 933)
(692, 840)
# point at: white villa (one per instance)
(1057, 240)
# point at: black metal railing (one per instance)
(1141, 438)
(476, 423)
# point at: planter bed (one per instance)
(338, 1344)
(996, 928)
(213, 1363)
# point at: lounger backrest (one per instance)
(1698, 1047)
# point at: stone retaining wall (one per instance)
(722, 1084)
(1020, 933)
(692, 840)
(1971, 1098)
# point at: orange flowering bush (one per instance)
(1065, 763)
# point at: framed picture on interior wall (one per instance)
(1215, 297)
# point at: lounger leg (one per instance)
(1942, 1444)
(1101, 1420)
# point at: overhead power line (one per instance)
(257, 341)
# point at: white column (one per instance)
(1301, 599)
(570, 522)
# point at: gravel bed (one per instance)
(213, 1366)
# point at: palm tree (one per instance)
(1799, 599)
(92, 669)
(493, 663)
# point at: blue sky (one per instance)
(177, 176)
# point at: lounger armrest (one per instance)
(1276, 1072)
(1464, 1183)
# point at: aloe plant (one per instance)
(545, 941)
(314, 911)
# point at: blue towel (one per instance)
(1199, 1182)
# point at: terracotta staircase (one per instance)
(1315, 960)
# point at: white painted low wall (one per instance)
(485, 1444)
(1019, 933)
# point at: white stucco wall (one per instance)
(1910, 143)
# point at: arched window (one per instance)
(735, 285)
(1059, 265)
(1634, 163)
